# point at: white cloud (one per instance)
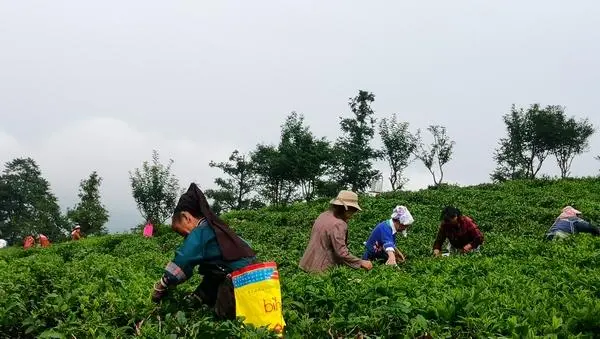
(9, 146)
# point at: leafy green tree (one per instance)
(437, 154)
(509, 156)
(89, 213)
(527, 145)
(216, 206)
(304, 156)
(535, 134)
(233, 192)
(570, 138)
(275, 186)
(294, 169)
(353, 150)
(399, 145)
(155, 189)
(27, 204)
(327, 189)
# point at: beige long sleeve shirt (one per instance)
(328, 245)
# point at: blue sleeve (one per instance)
(188, 256)
(387, 237)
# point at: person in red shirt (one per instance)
(29, 242)
(462, 233)
(44, 241)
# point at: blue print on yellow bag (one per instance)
(258, 296)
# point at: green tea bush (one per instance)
(519, 286)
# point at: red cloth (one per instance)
(76, 235)
(44, 242)
(466, 232)
(29, 242)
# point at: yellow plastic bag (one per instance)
(258, 296)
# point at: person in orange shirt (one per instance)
(44, 242)
(28, 242)
(76, 233)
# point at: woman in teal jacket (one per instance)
(211, 246)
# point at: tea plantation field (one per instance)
(519, 286)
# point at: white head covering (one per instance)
(403, 216)
(568, 212)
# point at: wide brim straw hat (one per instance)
(346, 199)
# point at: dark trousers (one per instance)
(375, 256)
(216, 291)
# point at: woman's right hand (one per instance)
(366, 264)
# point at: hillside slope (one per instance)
(518, 286)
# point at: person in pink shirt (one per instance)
(44, 241)
(29, 242)
(148, 229)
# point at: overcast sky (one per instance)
(97, 85)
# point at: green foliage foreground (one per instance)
(519, 286)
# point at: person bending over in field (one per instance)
(328, 244)
(570, 222)
(28, 242)
(212, 246)
(43, 240)
(148, 229)
(462, 233)
(381, 245)
(76, 233)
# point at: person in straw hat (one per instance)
(328, 244)
(570, 222)
(76, 233)
(381, 245)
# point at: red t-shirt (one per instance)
(466, 232)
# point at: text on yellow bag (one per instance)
(258, 295)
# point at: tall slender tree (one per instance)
(234, 191)
(437, 154)
(155, 189)
(304, 156)
(275, 186)
(89, 213)
(353, 150)
(399, 146)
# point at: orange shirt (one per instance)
(29, 242)
(44, 242)
(76, 235)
